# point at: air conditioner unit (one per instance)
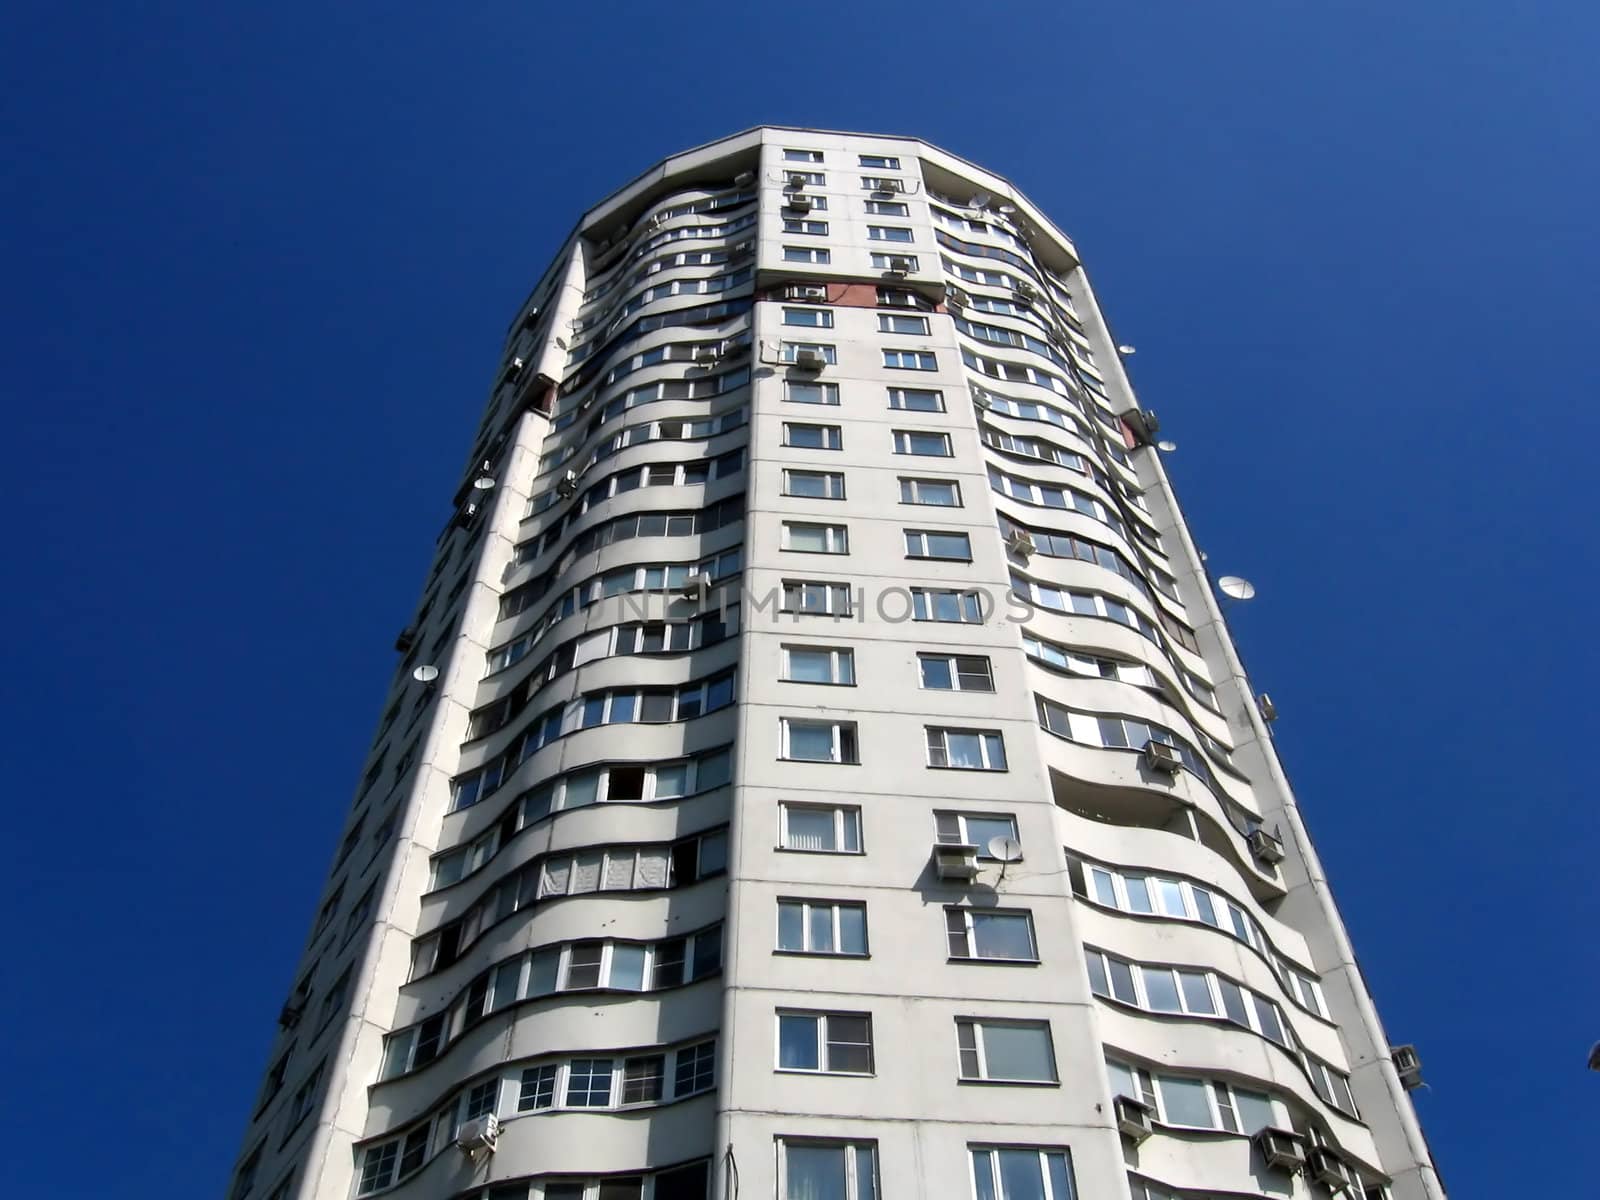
(1409, 1066)
(1020, 541)
(1159, 756)
(567, 485)
(806, 291)
(744, 179)
(1281, 1149)
(1025, 289)
(955, 298)
(531, 317)
(405, 639)
(1267, 847)
(480, 1133)
(1143, 425)
(1267, 709)
(1326, 1167)
(742, 248)
(466, 515)
(697, 587)
(796, 182)
(735, 350)
(809, 360)
(707, 356)
(514, 368)
(981, 400)
(1134, 1118)
(955, 860)
(887, 187)
(899, 265)
(799, 203)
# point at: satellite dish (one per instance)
(1236, 588)
(483, 483)
(1006, 849)
(426, 673)
(1007, 209)
(981, 200)
(1166, 447)
(1125, 350)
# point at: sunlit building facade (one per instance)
(817, 767)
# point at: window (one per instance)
(589, 1083)
(695, 1069)
(800, 391)
(538, 1089)
(910, 360)
(835, 1043)
(819, 664)
(916, 399)
(893, 262)
(819, 599)
(955, 672)
(814, 485)
(940, 604)
(1006, 1051)
(480, 1100)
(880, 162)
(887, 208)
(245, 1178)
(923, 442)
(1022, 1173)
(889, 233)
(788, 351)
(822, 927)
(900, 323)
(812, 538)
(934, 543)
(818, 1170)
(805, 254)
(820, 829)
(945, 493)
(811, 178)
(966, 749)
(798, 225)
(1197, 1103)
(806, 156)
(812, 437)
(814, 318)
(974, 829)
(818, 741)
(991, 933)
(643, 1078)
(304, 1098)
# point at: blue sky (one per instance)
(257, 263)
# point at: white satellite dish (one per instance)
(1166, 447)
(1236, 588)
(426, 673)
(1006, 210)
(1006, 849)
(981, 200)
(1125, 350)
(483, 483)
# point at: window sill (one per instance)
(1033, 1083)
(837, 853)
(996, 962)
(820, 954)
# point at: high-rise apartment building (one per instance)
(818, 768)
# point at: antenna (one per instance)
(426, 673)
(1007, 849)
(1236, 588)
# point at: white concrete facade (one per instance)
(712, 954)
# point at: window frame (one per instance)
(833, 433)
(966, 915)
(824, 317)
(981, 1056)
(904, 443)
(847, 827)
(918, 544)
(991, 747)
(823, 1041)
(844, 735)
(851, 1183)
(911, 488)
(841, 661)
(889, 322)
(835, 537)
(958, 672)
(832, 483)
(810, 905)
